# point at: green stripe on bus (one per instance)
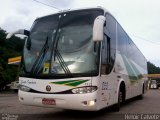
(139, 75)
(76, 83)
(64, 82)
(130, 69)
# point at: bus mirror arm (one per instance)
(98, 25)
(21, 31)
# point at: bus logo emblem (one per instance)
(48, 88)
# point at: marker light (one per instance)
(89, 103)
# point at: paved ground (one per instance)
(10, 107)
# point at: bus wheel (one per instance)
(116, 107)
(140, 97)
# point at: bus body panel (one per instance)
(65, 101)
(133, 87)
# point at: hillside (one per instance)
(152, 69)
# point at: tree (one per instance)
(8, 48)
(152, 69)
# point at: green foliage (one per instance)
(152, 69)
(8, 48)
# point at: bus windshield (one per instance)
(62, 44)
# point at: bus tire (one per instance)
(140, 97)
(117, 106)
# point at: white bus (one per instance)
(81, 60)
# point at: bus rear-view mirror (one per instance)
(98, 28)
(21, 31)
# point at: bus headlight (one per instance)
(82, 90)
(24, 88)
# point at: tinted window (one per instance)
(127, 47)
(109, 45)
(122, 40)
(135, 54)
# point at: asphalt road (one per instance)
(11, 108)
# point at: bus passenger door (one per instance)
(106, 75)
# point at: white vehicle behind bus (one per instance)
(153, 84)
(80, 59)
(14, 86)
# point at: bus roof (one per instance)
(78, 9)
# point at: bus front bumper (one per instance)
(87, 102)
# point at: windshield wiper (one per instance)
(62, 62)
(60, 59)
(40, 58)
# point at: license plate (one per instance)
(47, 101)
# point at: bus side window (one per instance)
(106, 55)
(109, 45)
(108, 50)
